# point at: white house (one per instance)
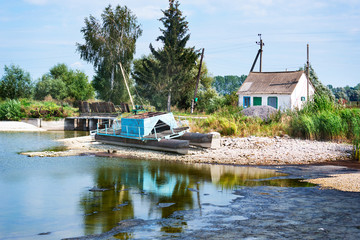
(281, 90)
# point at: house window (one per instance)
(273, 102)
(303, 99)
(246, 102)
(257, 101)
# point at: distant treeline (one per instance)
(347, 93)
(60, 83)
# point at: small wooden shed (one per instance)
(281, 90)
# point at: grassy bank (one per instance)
(229, 121)
(25, 108)
(320, 119)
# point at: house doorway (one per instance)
(246, 102)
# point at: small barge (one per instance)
(150, 130)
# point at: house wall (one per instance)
(292, 101)
(301, 91)
(283, 100)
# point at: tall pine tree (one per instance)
(167, 72)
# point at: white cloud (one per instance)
(147, 12)
(77, 65)
(37, 2)
(354, 31)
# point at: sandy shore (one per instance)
(14, 126)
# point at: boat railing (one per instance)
(137, 132)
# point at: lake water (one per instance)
(62, 197)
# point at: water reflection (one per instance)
(53, 195)
(154, 190)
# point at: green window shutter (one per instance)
(273, 102)
(257, 101)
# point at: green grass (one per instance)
(229, 121)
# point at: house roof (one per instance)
(270, 83)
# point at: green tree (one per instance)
(16, 83)
(205, 81)
(352, 93)
(228, 84)
(340, 93)
(320, 88)
(168, 72)
(47, 85)
(62, 82)
(146, 74)
(109, 43)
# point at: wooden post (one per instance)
(308, 73)
(257, 55)
(197, 81)
(169, 101)
(261, 45)
(260, 51)
(127, 87)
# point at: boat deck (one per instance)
(175, 132)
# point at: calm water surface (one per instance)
(73, 196)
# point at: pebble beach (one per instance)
(239, 151)
(234, 151)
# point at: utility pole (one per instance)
(308, 73)
(260, 51)
(197, 82)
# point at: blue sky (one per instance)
(37, 34)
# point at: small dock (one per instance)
(94, 113)
(88, 123)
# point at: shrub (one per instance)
(11, 110)
(227, 126)
(320, 103)
(47, 112)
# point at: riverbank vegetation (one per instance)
(320, 119)
(26, 108)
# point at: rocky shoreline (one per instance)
(233, 151)
(239, 151)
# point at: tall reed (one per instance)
(356, 152)
(356, 142)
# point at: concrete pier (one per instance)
(83, 123)
(87, 123)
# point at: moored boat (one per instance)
(150, 130)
